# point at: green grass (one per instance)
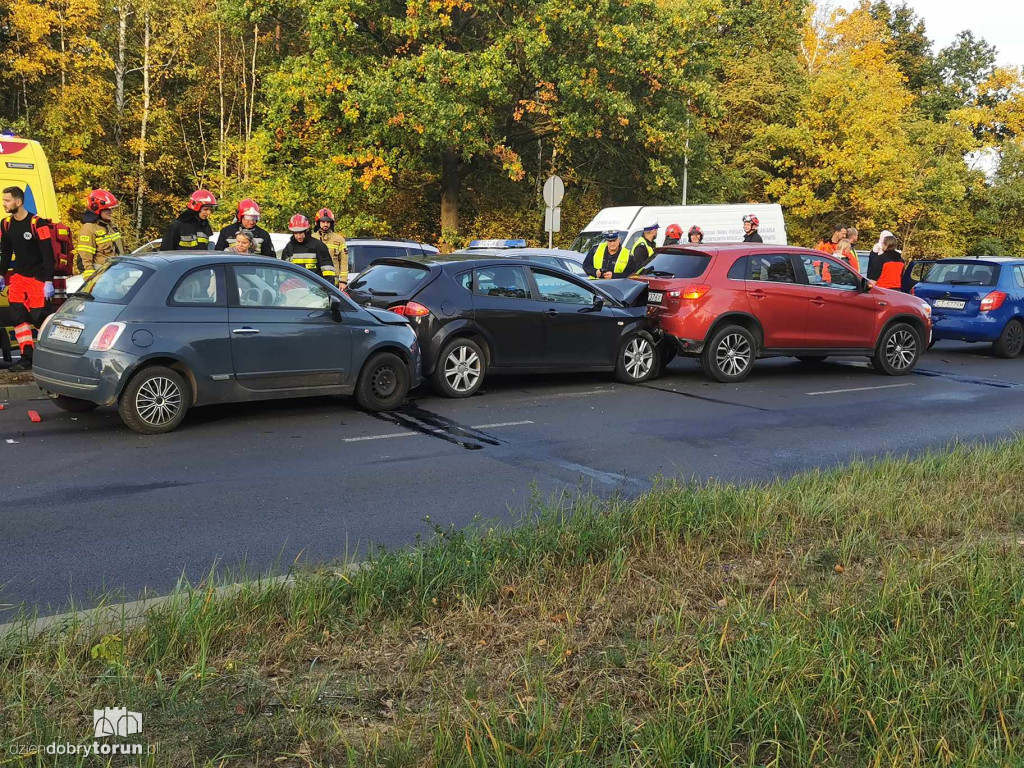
(868, 616)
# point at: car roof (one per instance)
(376, 241)
(520, 252)
(976, 260)
(714, 249)
(162, 258)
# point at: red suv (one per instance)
(730, 304)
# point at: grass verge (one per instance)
(873, 615)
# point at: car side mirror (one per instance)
(865, 285)
(598, 303)
(336, 308)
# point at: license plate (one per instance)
(64, 333)
(655, 297)
(949, 304)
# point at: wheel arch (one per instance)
(743, 319)
(168, 361)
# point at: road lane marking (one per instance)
(608, 478)
(860, 389)
(390, 435)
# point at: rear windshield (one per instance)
(586, 240)
(957, 273)
(391, 279)
(116, 282)
(684, 264)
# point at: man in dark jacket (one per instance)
(750, 233)
(643, 249)
(609, 259)
(306, 251)
(192, 230)
(886, 268)
(246, 218)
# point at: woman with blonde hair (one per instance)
(844, 252)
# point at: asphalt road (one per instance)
(89, 506)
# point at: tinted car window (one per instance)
(272, 287)
(829, 275)
(392, 279)
(560, 290)
(116, 283)
(363, 255)
(199, 287)
(675, 264)
(959, 273)
(507, 282)
(1018, 274)
(574, 268)
(769, 268)
(465, 280)
(738, 270)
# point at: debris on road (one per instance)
(34, 416)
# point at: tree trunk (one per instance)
(119, 68)
(221, 148)
(140, 189)
(252, 99)
(450, 183)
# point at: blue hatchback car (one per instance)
(973, 299)
(159, 334)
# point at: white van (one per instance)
(721, 223)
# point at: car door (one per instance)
(840, 315)
(283, 333)
(507, 313)
(576, 332)
(777, 299)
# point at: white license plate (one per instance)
(949, 304)
(655, 297)
(64, 333)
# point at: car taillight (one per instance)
(107, 337)
(410, 309)
(913, 290)
(993, 301)
(695, 291)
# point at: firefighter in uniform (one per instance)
(246, 218)
(307, 251)
(98, 239)
(335, 243)
(608, 259)
(191, 230)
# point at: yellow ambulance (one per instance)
(23, 164)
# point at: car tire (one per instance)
(638, 360)
(729, 355)
(460, 369)
(1010, 341)
(898, 350)
(669, 352)
(73, 404)
(812, 358)
(155, 400)
(383, 383)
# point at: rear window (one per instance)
(956, 273)
(391, 279)
(116, 282)
(685, 264)
(361, 256)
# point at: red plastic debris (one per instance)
(34, 415)
(2, 406)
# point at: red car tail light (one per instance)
(993, 301)
(695, 291)
(107, 337)
(410, 309)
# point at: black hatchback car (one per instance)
(473, 316)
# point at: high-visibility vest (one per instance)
(620, 263)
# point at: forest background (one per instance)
(439, 120)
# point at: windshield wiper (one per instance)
(966, 282)
(81, 295)
(658, 273)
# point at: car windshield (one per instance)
(116, 282)
(959, 273)
(585, 241)
(680, 264)
(391, 279)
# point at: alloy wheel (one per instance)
(462, 369)
(900, 350)
(158, 401)
(733, 354)
(639, 357)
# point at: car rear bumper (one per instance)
(684, 346)
(94, 376)
(983, 327)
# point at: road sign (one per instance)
(554, 191)
(552, 219)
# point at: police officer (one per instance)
(98, 239)
(246, 217)
(335, 243)
(192, 230)
(608, 259)
(750, 233)
(306, 251)
(643, 249)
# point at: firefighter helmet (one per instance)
(101, 200)
(298, 223)
(325, 213)
(249, 207)
(201, 198)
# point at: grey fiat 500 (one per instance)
(162, 333)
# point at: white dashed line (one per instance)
(860, 389)
(501, 424)
(389, 435)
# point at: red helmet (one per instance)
(249, 207)
(101, 200)
(751, 219)
(325, 213)
(201, 198)
(695, 230)
(674, 230)
(298, 223)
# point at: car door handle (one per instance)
(551, 312)
(758, 294)
(246, 331)
(818, 301)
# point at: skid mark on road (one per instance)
(705, 398)
(960, 379)
(425, 422)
